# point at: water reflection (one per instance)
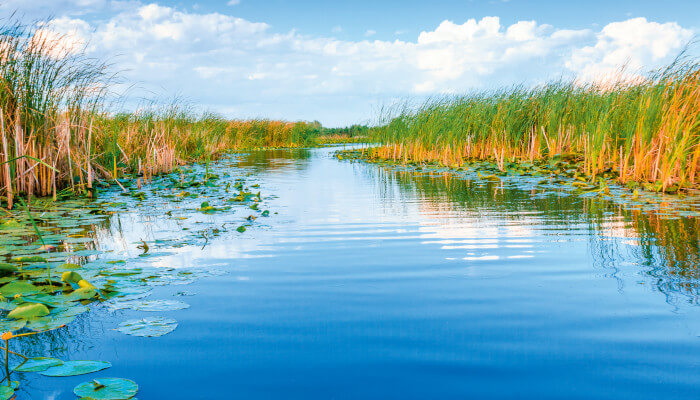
(417, 285)
(667, 250)
(273, 160)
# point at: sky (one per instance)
(340, 62)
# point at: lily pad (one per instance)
(7, 269)
(6, 392)
(11, 326)
(82, 294)
(71, 276)
(151, 305)
(18, 287)
(29, 259)
(148, 327)
(38, 364)
(49, 322)
(29, 310)
(107, 389)
(71, 368)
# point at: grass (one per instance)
(647, 132)
(57, 137)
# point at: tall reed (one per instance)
(648, 131)
(56, 134)
(48, 92)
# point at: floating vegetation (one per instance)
(148, 327)
(52, 269)
(150, 305)
(556, 175)
(645, 134)
(107, 389)
(72, 368)
(38, 364)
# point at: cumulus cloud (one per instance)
(634, 44)
(241, 66)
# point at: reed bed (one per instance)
(56, 137)
(647, 132)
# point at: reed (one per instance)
(47, 94)
(56, 134)
(646, 132)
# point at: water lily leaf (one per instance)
(148, 327)
(6, 305)
(6, 392)
(7, 269)
(71, 368)
(72, 310)
(29, 259)
(68, 267)
(85, 284)
(18, 287)
(12, 325)
(107, 389)
(51, 301)
(151, 305)
(122, 272)
(38, 364)
(82, 294)
(49, 322)
(71, 276)
(29, 310)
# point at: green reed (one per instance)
(648, 131)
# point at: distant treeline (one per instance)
(352, 131)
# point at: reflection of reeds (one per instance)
(648, 130)
(667, 249)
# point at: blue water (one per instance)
(376, 284)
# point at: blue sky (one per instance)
(338, 62)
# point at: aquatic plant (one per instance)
(58, 137)
(646, 132)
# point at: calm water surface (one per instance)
(376, 284)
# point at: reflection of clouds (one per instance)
(487, 233)
(618, 228)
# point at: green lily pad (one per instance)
(11, 326)
(6, 392)
(71, 368)
(151, 305)
(29, 310)
(29, 259)
(71, 276)
(148, 327)
(18, 287)
(107, 389)
(7, 305)
(49, 322)
(38, 364)
(7, 269)
(82, 294)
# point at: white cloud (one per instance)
(370, 32)
(230, 63)
(635, 44)
(233, 2)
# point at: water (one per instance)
(375, 284)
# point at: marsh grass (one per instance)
(647, 131)
(57, 137)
